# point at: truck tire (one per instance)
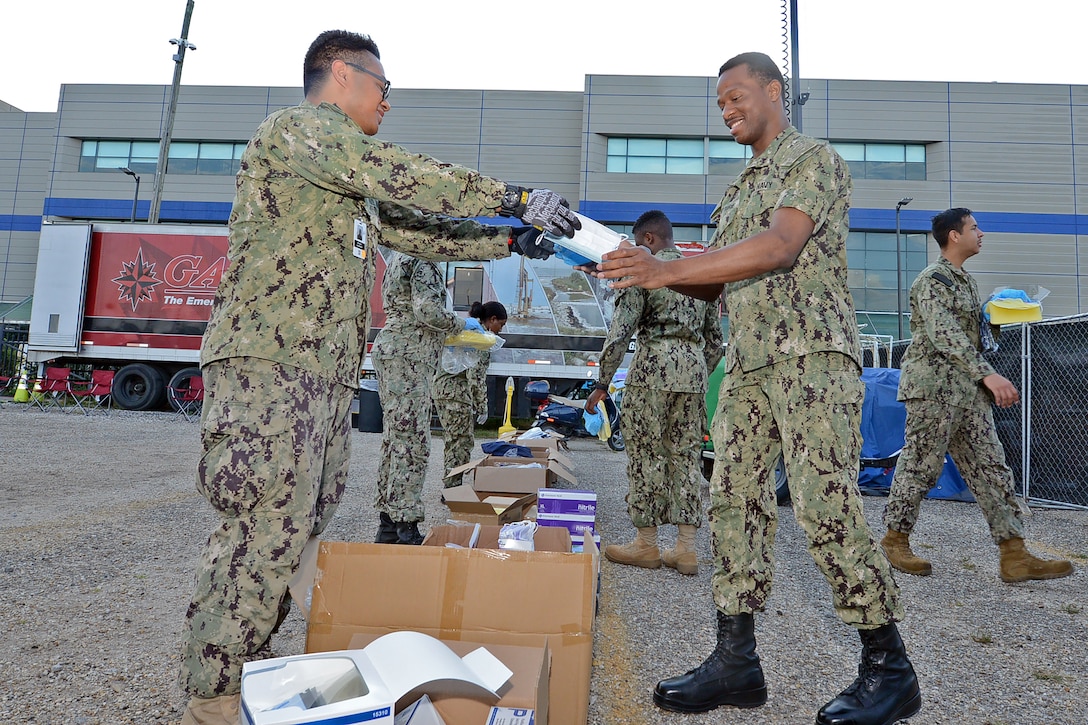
(179, 384)
(139, 387)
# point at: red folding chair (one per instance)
(93, 394)
(188, 399)
(6, 383)
(52, 389)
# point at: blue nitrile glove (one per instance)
(471, 323)
(593, 421)
(1012, 294)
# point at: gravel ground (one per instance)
(102, 528)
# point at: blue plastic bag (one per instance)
(593, 421)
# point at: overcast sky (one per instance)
(535, 45)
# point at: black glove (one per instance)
(541, 208)
(530, 242)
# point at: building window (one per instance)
(870, 259)
(893, 161)
(727, 157)
(215, 158)
(655, 156)
(676, 156)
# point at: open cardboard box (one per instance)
(482, 507)
(499, 474)
(488, 596)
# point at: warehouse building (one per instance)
(1016, 154)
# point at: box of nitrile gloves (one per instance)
(576, 511)
(575, 524)
(565, 501)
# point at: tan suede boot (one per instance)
(221, 710)
(682, 556)
(1018, 565)
(642, 551)
(896, 547)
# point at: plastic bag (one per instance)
(465, 349)
(458, 359)
(593, 421)
(591, 242)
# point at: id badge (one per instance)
(358, 239)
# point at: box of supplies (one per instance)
(486, 596)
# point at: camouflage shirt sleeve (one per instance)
(429, 299)
(477, 382)
(627, 312)
(713, 339)
(406, 229)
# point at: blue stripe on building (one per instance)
(613, 212)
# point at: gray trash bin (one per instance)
(370, 407)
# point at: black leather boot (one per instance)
(408, 533)
(886, 689)
(731, 674)
(387, 530)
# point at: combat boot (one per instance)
(387, 530)
(886, 690)
(731, 675)
(222, 710)
(1018, 565)
(642, 551)
(896, 547)
(682, 556)
(408, 533)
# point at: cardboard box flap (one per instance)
(449, 590)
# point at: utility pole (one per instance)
(183, 44)
(798, 98)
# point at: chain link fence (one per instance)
(1046, 436)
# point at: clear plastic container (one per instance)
(592, 241)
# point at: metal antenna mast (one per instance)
(183, 44)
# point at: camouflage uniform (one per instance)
(406, 356)
(664, 398)
(283, 349)
(948, 410)
(459, 398)
(793, 387)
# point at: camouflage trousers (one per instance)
(276, 445)
(809, 410)
(969, 434)
(404, 386)
(459, 432)
(663, 431)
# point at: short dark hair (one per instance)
(654, 221)
(332, 45)
(486, 310)
(948, 221)
(759, 65)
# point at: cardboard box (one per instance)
(481, 507)
(498, 474)
(491, 597)
(576, 525)
(578, 543)
(566, 501)
(526, 690)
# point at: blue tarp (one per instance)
(883, 419)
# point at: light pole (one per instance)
(899, 267)
(136, 196)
